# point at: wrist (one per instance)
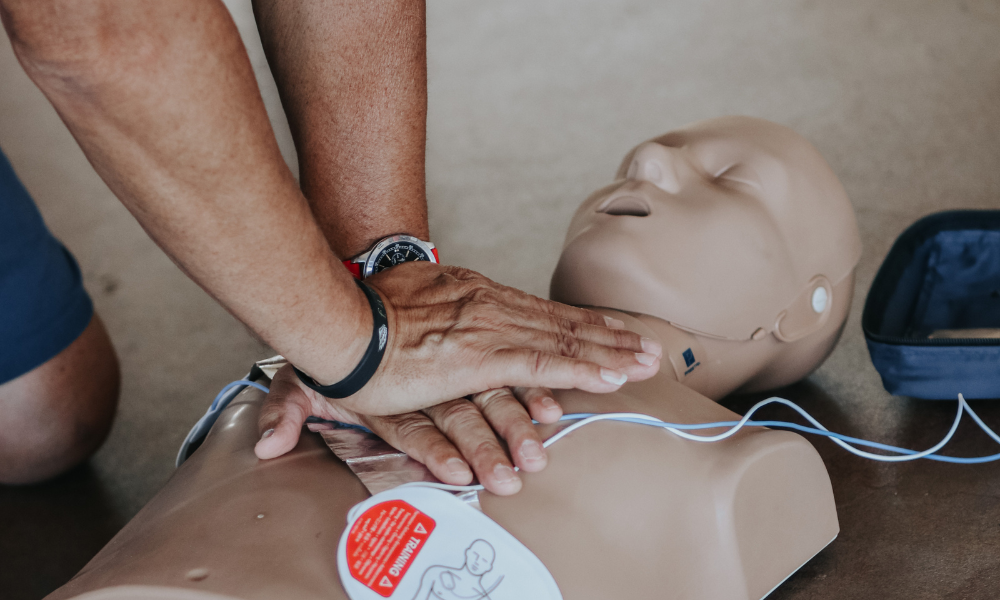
(345, 346)
(370, 361)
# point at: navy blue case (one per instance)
(943, 273)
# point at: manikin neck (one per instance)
(734, 363)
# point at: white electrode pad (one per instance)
(420, 543)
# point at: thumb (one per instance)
(280, 421)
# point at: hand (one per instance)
(453, 332)
(447, 438)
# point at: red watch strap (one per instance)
(355, 268)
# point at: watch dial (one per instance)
(398, 252)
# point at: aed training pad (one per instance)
(932, 316)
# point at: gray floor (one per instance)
(532, 106)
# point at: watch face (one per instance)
(395, 253)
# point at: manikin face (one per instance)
(715, 228)
(479, 557)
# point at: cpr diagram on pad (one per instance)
(417, 543)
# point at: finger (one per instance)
(540, 402)
(465, 426)
(564, 332)
(491, 291)
(618, 349)
(565, 311)
(614, 338)
(535, 368)
(280, 421)
(321, 426)
(416, 435)
(637, 365)
(509, 419)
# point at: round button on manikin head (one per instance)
(819, 300)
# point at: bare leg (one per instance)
(58, 414)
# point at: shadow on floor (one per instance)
(49, 531)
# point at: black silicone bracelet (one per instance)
(369, 362)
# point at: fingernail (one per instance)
(613, 376)
(645, 358)
(652, 346)
(531, 450)
(457, 467)
(614, 323)
(267, 434)
(548, 403)
(504, 474)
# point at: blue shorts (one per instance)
(43, 306)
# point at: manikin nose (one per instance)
(653, 165)
(656, 164)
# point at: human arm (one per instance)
(163, 102)
(162, 99)
(353, 81)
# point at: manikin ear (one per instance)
(656, 164)
(807, 313)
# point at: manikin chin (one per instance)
(733, 243)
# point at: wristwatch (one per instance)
(389, 252)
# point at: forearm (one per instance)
(162, 99)
(353, 80)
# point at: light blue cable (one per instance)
(804, 429)
(843, 439)
(240, 383)
(205, 423)
(745, 422)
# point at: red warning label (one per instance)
(383, 543)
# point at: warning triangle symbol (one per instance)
(385, 581)
(419, 528)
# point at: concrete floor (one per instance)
(532, 106)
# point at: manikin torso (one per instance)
(621, 511)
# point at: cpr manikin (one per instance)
(733, 243)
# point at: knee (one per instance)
(58, 414)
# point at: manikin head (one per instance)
(479, 557)
(733, 230)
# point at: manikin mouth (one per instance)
(631, 206)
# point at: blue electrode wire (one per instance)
(205, 423)
(844, 441)
(242, 383)
(681, 429)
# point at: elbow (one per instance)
(55, 40)
(37, 29)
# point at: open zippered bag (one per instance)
(932, 316)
